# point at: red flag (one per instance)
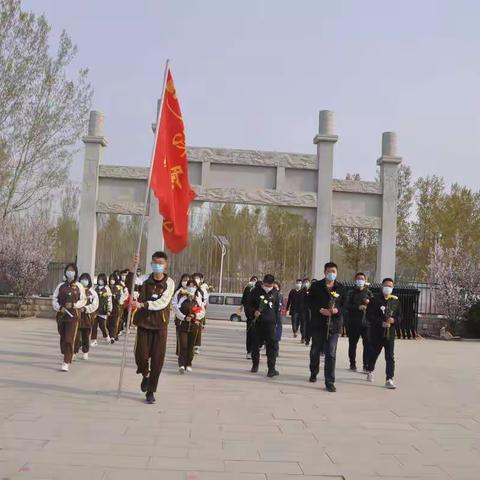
(169, 180)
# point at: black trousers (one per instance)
(320, 343)
(376, 345)
(249, 335)
(295, 322)
(305, 326)
(355, 332)
(186, 342)
(264, 333)
(99, 322)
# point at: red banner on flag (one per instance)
(169, 180)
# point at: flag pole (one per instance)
(142, 223)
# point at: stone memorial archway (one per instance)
(300, 182)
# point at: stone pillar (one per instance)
(155, 239)
(87, 226)
(325, 141)
(389, 164)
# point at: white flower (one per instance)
(261, 297)
(382, 308)
(265, 302)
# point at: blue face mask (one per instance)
(331, 276)
(70, 275)
(158, 268)
(360, 283)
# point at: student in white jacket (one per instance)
(202, 287)
(189, 314)
(87, 316)
(68, 300)
(105, 307)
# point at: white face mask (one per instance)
(251, 283)
(191, 290)
(70, 275)
(101, 283)
(268, 289)
(387, 290)
(112, 282)
(298, 286)
(307, 285)
(84, 282)
(124, 277)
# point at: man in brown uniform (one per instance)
(151, 320)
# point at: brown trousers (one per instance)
(83, 339)
(99, 322)
(186, 341)
(198, 340)
(112, 325)
(150, 348)
(67, 330)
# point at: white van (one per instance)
(225, 306)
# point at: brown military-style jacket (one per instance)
(156, 295)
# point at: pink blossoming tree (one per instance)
(458, 282)
(26, 248)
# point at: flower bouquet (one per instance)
(388, 311)
(334, 296)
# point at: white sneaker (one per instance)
(94, 343)
(196, 350)
(389, 384)
(189, 369)
(64, 367)
(370, 377)
(74, 357)
(249, 356)
(107, 340)
(85, 356)
(181, 370)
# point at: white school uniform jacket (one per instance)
(81, 302)
(92, 307)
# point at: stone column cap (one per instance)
(94, 139)
(325, 138)
(396, 160)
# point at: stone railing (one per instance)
(34, 307)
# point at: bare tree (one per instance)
(42, 112)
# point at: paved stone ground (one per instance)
(223, 423)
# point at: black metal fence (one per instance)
(408, 296)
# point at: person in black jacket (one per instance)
(355, 311)
(294, 307)
(265, 305)
(248, 314)
(325, 300)
(305, 312)
(383, 314)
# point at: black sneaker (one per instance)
(144, 384)
(312, 379)
(254, 369)
(112, 341)
(330, 387)
(353, 368)
(307, 344)
(273, 373)
(150, 397)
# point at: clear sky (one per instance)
(255, 73)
